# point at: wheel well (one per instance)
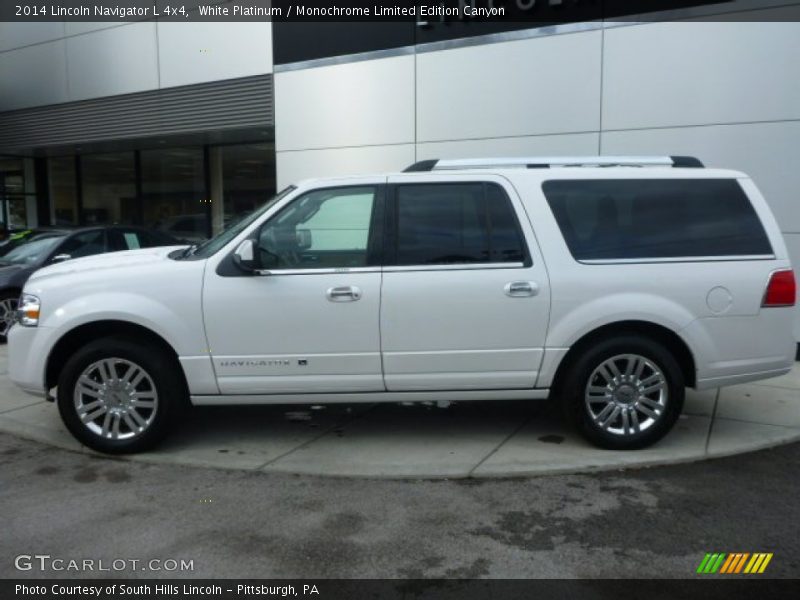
(658, 333)
(80, 336)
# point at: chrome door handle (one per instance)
(344, 294)
(517, 289)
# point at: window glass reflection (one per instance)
(109, 188)
(173, 192)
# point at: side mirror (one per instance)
(60, 258)
(245, 256)
(304, 240)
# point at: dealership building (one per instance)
(185, 126)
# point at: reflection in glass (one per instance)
(109, 188)
(173, 192)
(63, 190)
(248, 173)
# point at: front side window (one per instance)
(456, 223)
(84, 244)
(607, 219)
(323, 229)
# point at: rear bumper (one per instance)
(733, 350)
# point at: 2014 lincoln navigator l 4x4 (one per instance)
(611, 282)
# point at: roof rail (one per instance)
(546, 162)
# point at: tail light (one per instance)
(781, 289)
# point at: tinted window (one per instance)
(323, 229)
(148, 239)
(456, 224)
(84, 244)
(656, 218)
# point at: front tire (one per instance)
(624, 393)
(8, 311)
(119, 396)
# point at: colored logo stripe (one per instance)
(734, 562)
(758, 563)
(711, 563)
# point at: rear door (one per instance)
(465, 294)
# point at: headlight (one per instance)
(28, 310)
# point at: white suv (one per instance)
(613, 282)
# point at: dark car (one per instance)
(48, 247)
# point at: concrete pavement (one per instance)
(470, 439)
(645, 523)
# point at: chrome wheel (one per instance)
(115, 399)
(8, 312)
(626, 394)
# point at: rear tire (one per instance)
(623, 393)
(120, 396)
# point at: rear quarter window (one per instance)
(616, 219)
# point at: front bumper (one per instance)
(28, 349)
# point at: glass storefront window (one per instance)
(170, 189)
(109, 188)
(13, 208)
(63, 191)
(173, 192)
(248, 175)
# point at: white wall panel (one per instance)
(199, 52)
(113, 61)
(688, 73)
(16, 35)
(308, 164)
(541, 145)
(768, 152)
(355, 104)
(33, 76)
(536, 86)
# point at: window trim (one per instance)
(391, 249)
(674, 259)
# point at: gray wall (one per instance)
(726, 92)
(49, 63)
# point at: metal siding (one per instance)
(194, 108)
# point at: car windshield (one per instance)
(209, 247)
(31, 252)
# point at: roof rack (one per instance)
(547, 162)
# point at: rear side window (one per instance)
(606, 219)
(459, 223)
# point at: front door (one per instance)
(465, 297)
(311, 324)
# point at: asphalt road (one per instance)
(649, 523)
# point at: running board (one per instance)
(360, 397)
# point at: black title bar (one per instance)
(421, 12)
